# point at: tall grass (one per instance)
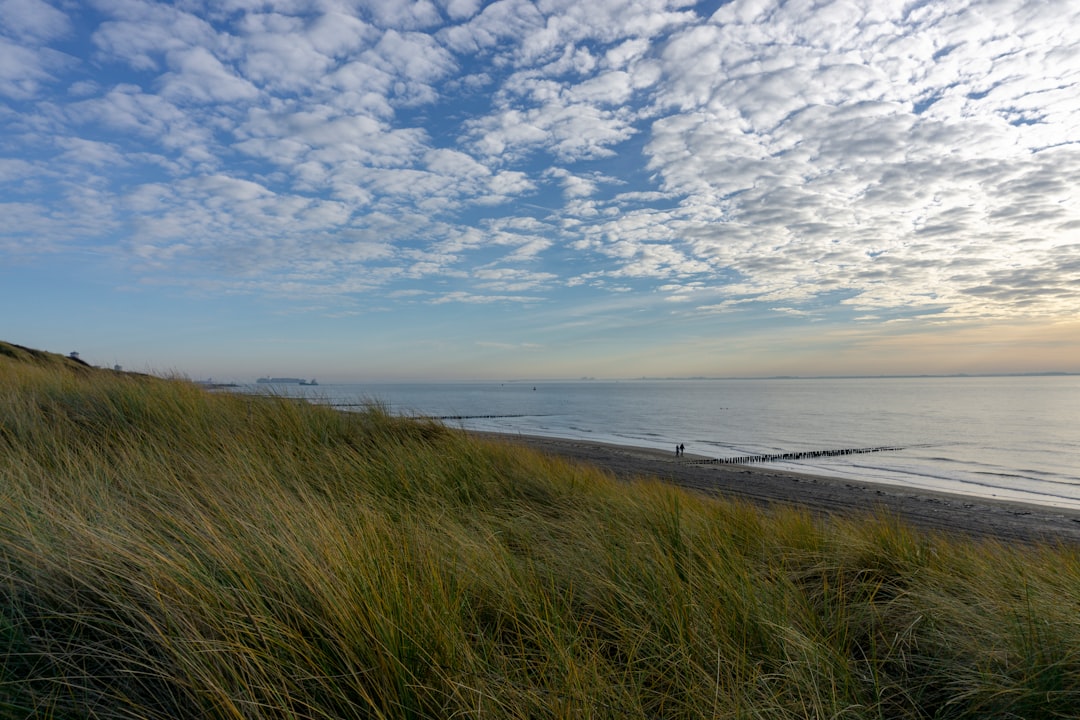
(168, 552)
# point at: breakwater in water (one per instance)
(780, 457)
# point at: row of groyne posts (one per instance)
(779, 457)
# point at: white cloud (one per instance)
(196, 75)
(511, 280)
(612, 88)
(605, 20)
(509, 183)
(404, 14)
(557, 101)
(23, 71)
(570, 132)
(574, 186)
(338, 34)
(90, 152)
(414, 57)
(125, 108)
(453, 162)
(147, 30)
(33, 20)
(14, 171)
(467, 298)
(500, 21)
(626, 53)
(281, 56)
(461, 9)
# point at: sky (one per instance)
(467, 190)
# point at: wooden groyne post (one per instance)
(802, 455)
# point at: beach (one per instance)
(977, 517)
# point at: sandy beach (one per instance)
(938, 512)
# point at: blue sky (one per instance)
(454, 189)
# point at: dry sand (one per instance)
(939, 512)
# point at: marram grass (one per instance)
(166, 552)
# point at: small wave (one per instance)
(940, 481)
(1031, 476)
(1011, 476)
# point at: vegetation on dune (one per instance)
(170, 552)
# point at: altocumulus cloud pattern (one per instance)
(873, 161)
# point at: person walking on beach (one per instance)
(682, 449)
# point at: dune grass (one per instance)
(170, 552)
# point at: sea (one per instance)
(1012, 437)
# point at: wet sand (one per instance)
(1002, 520)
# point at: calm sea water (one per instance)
(1006, 437)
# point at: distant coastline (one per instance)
(286, 381)
(866, 377)
(676, 378)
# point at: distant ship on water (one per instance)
(287, 381)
